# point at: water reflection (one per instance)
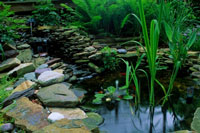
(127, 119)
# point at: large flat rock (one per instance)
(58, 95)
(23, 86)
(22, 69)
(28, 116)
(50, 77)
(65, 126)
(70, 113)
(9, 64)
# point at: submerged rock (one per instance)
(93, 120)
(58, 95)
(27, 115)
(9, 64)
(50, 77)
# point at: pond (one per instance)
(124, 117)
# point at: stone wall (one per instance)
(73, 46)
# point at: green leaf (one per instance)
(168, 31)
(127, 97)
(191, 40)
(99, 96)
(111, 89)
(124, 21)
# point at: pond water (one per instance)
(124, 117)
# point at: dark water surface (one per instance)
(124, 117)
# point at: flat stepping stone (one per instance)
(16, 95)
(9, 64)
(87, 125)
(50, 77)
(65, 126)
(70, 113)
(29, 116)
(58, 95)
(23, 86)
(22, 69)
(40, 71)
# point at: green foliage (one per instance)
(131, 75)
(178, 12)
(5, 82)
(110, 16)
(8, 25)
(2, 51)
(179, 46)
(110, 60)
(151, 45)
(45, 13)
(109, 94)
(196, 45)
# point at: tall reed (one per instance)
(151, 45)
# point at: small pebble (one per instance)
(9, 88)
(6, 127)
(122, 51)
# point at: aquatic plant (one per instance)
(45, 13)
(131, 75)
(178, 49)
(110, 60)
(151, 46)
(128, 80)
(107, 96)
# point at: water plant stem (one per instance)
(151, 46)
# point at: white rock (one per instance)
(55, 116)
(50, 77)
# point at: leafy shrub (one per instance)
(110, 60)
(178, 13)
(8, 25)
(108, 16)
(45, 13)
